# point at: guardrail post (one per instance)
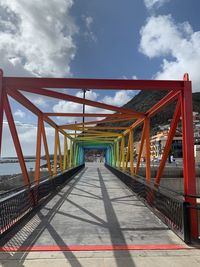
(186, 222)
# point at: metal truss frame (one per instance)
(111, 137)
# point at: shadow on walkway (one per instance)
(38, 223)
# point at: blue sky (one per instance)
(132, 39)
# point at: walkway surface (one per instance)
(94, 210)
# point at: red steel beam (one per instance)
(16, 141)
(188, 152)
(19, 97)
(115, 84)
(1, 107)
(38, 151)
(46, 149)
(147, 137)
(168, 144)
(80, 100)
(97, 122)
(112, 115)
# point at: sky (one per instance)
(132, 39)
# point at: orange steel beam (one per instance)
(59, 152)
(147, 137)
(95, 127)
(16, 141)
(140, 151)
(91, 132)
(1, 107)
(168, 144)
(55, 152)
(169, 98)
(131, 152)
(19, 97)
(46, 149)
(38, 151)
(112, 115)
(95, 138)
(115, 84)
(122, 153)
(188, 153)
(95, 134)
(65, 158)
(96, 122)
(128, 153)
(80, 100)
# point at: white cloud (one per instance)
(154, 3)
(88, 22)
(89, 33)
(72, 107)
(40, 101)
(134, 77)
(27, 135)
(120, 98)
(37, 37)
(19, 113)
(177, 43)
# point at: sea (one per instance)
(12, 168)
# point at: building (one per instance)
(158, 141)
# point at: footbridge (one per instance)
(98, 206)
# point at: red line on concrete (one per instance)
(92, 248)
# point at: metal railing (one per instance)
(15, 206)
(168, 206)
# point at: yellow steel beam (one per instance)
(122, 153)
(55, 152)
(71, 154)
(96, 127)
(59, 152)
(65, 161)
(131, 152)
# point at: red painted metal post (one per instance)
(188, 152)
(147, 137)
(1, 107)
(15, 138)
(171, 134)
(38, 151)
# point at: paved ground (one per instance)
(94, 209)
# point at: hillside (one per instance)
(146, 99)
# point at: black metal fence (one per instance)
(14, 206)
(168, 206)
(195, 208)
